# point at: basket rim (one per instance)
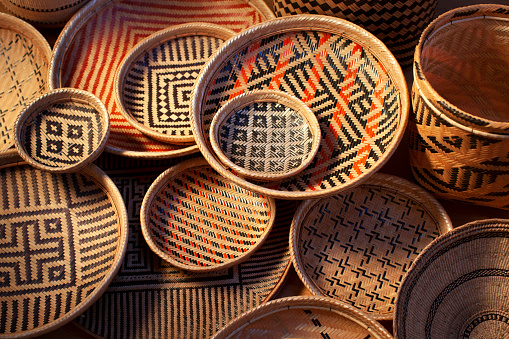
(293, 23)
(103, 181)
(159, 183)
(54, 96)
(387, 182)
(460, 118)
(258, 96)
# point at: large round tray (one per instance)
(106, 30)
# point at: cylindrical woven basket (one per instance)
(25, 57)
(458, 287)
(64, 237)
(356, 246)
(398, 24)
(345, 75)
(198, 221)
(62, 131)
(303, 317)
(265, 135)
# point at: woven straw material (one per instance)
(347, 77)
(398, 24)
(154, 82)
(196, 220)
(303, 317)
(25, 56)
(63, 237)
(46, 13)
(106, 30)
(458, 287)
(150, 298)
(356, 246)
(265, 135)
(62, 130)
(462, 66)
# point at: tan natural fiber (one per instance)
(153, 82)
(458, 287)
(25, 56)
(199, 221)
(62, 131)
(64, 237)
(265, 135)
(304, 317)
(348, 78)
(356, 246)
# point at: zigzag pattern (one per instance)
(343, 84)
(114, 29)
(58, 238)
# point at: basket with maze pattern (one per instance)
(459, 132)
(356, 246)
(345, 75)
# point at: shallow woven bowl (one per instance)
(25, 57)
(458, 287)
(154, 81)
(62, 131)
(347, 77)
(303, 317)
(265, 135)
(63, 240)
(199, 221)
(356, 246)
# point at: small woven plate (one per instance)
(458, 287)
(62, 240)
(199, 221)
(153, 84)
(303, 317)
(265, 135)
(25, 57)
(62, 131)
(356, 246)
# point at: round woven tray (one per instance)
(153, 83)
(265, 135)
(63, 238)
(196, 220)
(348, 78)
(458, 287)
(303, 317)
(356, 246)
(25, 57)
(104, 30)
(62, 131)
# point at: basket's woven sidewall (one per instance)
(456, 164)
(46, 13)
(110, 24)
(458, 286)
(398, 24)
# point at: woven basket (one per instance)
(154, 81)
(356, 246)
(458, 287)
(25, 56)
(303, 317)
(63, 239)
(265, 135)
(197, 221)
(397, 23)
(347, 77)
(104, 30)
(62, 131)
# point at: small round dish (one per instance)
(265, 135)
(199, 221)
(62, 131)
(153, 84)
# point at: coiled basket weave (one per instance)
(459, 132)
